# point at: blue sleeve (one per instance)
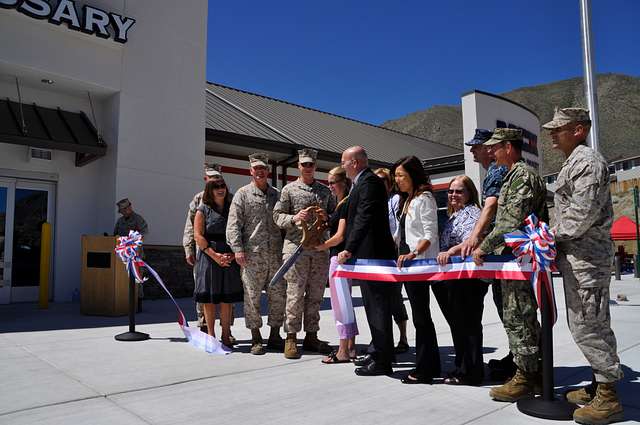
(493, 182)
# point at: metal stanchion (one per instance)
(547, 406)
(132, 335)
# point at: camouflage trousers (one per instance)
(520, 321)
(256, 276)
(589, 319)
(306, 281)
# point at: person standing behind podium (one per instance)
(417, 237)
(368, 237)
(130, 220)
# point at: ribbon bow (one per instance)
(536, 242)
(127, 249)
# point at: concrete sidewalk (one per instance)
(59, 367)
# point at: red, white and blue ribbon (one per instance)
(127, 250)
(494, 267)
(536, 244)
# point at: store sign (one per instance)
(90, 20)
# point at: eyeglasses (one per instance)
(456, 191)
(307, 164)
(332, 183)
(219, 185)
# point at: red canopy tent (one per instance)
(624, 229)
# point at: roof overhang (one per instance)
(224, 143)
(47, 128)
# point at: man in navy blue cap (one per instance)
(491, 185)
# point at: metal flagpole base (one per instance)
(132, 336)
(557, 409)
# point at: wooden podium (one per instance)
(104, 287)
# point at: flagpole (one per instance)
(589, 79)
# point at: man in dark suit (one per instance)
(368, 236)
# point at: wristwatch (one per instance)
(415, 252)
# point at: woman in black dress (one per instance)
(217, 274)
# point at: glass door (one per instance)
(7, 192)
(33, 206)
(24, 206)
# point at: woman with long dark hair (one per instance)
(417, 237)
(217, 274)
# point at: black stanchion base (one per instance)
(558, 409)
(132, 336)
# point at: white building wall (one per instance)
(161, 122)
(149, 102)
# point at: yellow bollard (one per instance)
(45, 265)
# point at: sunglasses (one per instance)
(334, 182)
(455, 191)
(307, 164)
(219, 185)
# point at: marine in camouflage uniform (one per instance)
(257, 243)
(130, 220)
(307, 277)
(584, 215)
(523, 193)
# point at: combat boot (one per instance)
(605, 407)
(290, 347)
(582, 395)
(521, 385)
(256, 343)
(275, 341)
(312, 343)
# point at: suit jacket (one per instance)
(367, 234)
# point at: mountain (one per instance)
(619, 116)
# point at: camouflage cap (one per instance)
(480, 137)
(123, 203)
(211, 170)
(565, 116)
(258, 158)
(504, 135)
(307, 155)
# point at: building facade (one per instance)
(131, 72)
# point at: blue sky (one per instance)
(378, 60)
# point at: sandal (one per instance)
(333, 359)
(453, 380)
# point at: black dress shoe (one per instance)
(402, 347)
(363, 360)
(374, 369)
